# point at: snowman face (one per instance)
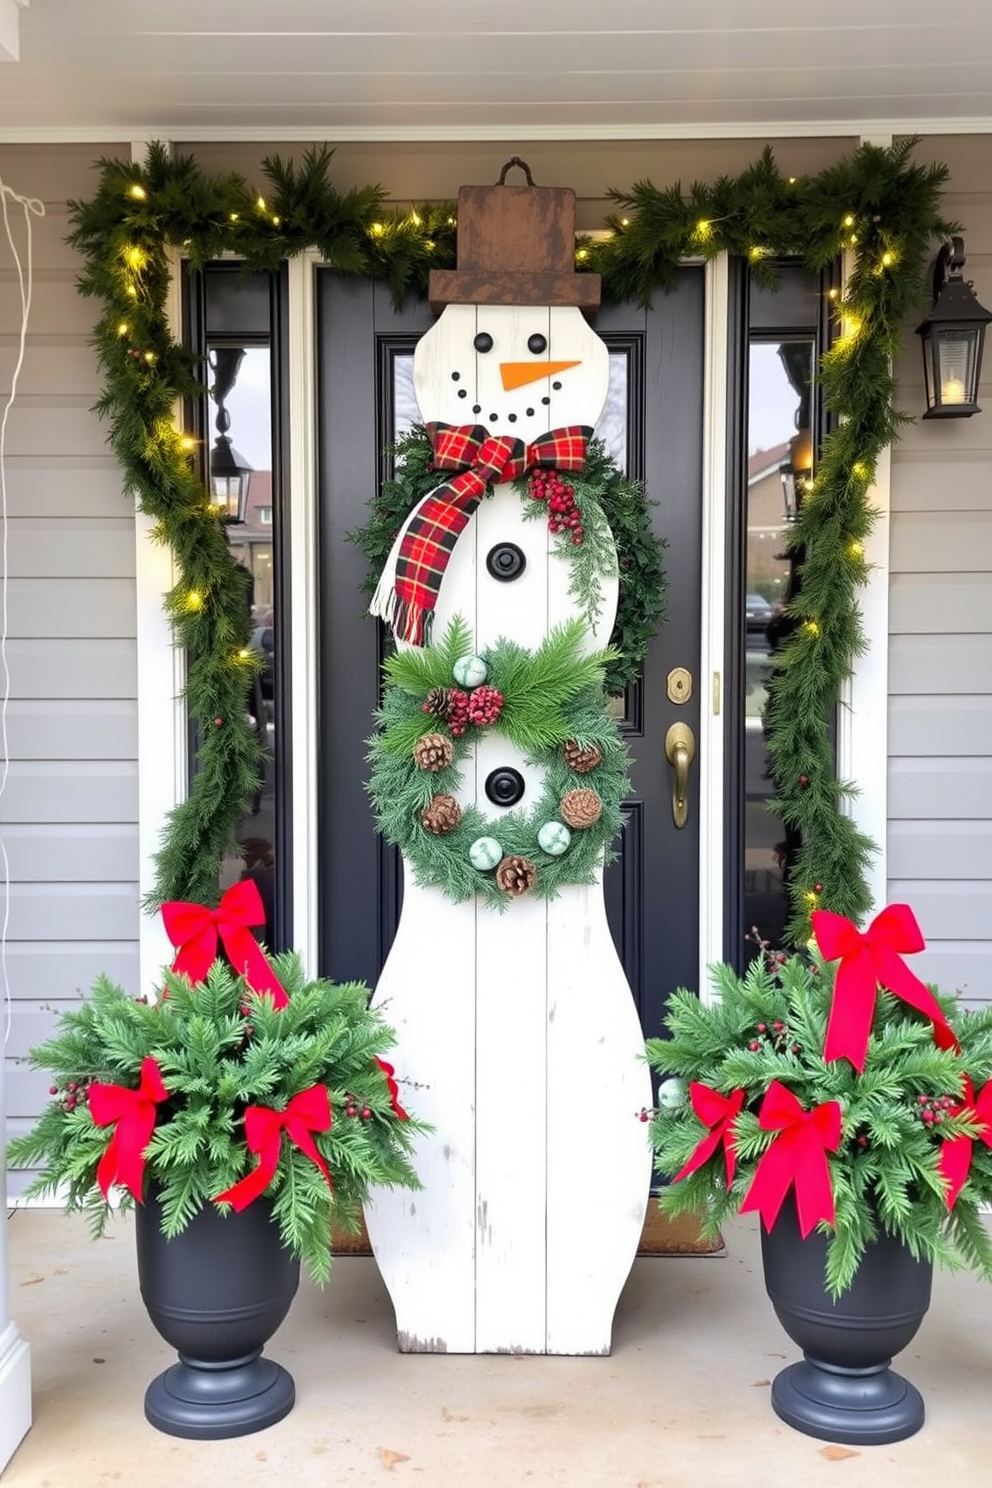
(514, 369)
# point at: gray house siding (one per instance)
(68, 812)
(940, 636)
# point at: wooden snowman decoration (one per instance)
(518, 1038)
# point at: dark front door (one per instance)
(654, 426)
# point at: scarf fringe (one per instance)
(409, 622)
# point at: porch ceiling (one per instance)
(187, 69)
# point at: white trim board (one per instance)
(855, 130)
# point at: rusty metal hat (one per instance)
(516, 246)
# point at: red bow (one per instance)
(956, 1152)
(867, 960)
(718, 1112)
(194, 930)
(411, 579)
(134, 1112)
(798, 1156)
(394, 1089)
(310, 1111)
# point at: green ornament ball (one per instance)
(553, 838)
(469, 671)
(485, 853)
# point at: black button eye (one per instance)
(483, 341)
(537, 343)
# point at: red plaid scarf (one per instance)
(411, 581)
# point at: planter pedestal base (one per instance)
(860, 1407)
(204, 1401)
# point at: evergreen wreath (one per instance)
(550, 705)
(874, 206)
(615, 513)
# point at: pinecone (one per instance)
(441, 815)
(433, 752)
(580, 759)
(438, 702)
(581, 808)
(516, 875)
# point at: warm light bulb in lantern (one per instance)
(952, 391)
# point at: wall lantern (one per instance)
(953, 339)
(230, 473)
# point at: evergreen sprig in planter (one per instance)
(220, 1103)
(850, 1105)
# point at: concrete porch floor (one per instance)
(682, 1400)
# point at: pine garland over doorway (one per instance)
(875, 206)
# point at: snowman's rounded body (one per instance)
(517, 1033)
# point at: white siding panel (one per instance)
(54, 486)
(56, 306)
(942, 542)
(932, 790)
(940, 664)
(55, 366)
(72, 791)
(964, 967)
(948, 910)
(940, 603)
(940, 725)
(72, 911)
(90, 548)
(37, 424)
(72, 669)
(63, 971)
(52, 729)
(926, 482)
(86, 852)
(71, 608)
(940, 849)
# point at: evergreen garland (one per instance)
(551, 696)
(874, 205)
(615, 512)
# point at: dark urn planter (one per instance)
(844, 1390)
(217, 1293)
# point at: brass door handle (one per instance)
(680, 751)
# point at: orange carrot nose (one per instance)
(519, 374)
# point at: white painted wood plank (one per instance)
(511, 978)
(942, 541)
(944, 665)
(56, 306)
(424, 1242)
(940, 850)
(599, 1160)
(947, 910)
(55, 366)
(940, 725)
(940, 603)
(59, 791)
(72, 669)
(33, 423)
(929, 789)
(73, 608)
(87, 548)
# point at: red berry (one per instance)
(644, 1116)
(351, 1110)
(754, 1046)
(762, 1027)
(53, 1090)
(366, 1113)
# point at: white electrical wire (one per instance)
(31, 207)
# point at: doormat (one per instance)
(661, 1236)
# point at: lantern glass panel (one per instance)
(957, 356)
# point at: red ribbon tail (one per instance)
(704, 1150)
(955, 1163)
(851, 1013)
(771, 1182)
(814, 1191)
(254, 1184)
(249, 960)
